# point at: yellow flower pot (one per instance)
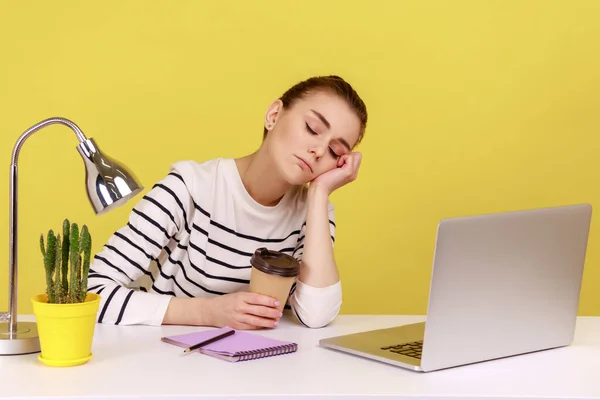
(65, 330)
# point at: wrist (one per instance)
(203, 311)
(317, 193)
(182, 311)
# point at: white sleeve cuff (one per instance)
(150, 309)
(316, 307)
(123, 306)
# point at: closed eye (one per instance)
(309, 129)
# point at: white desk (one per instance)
(131, 363)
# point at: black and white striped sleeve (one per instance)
(154, 221)
(315, 307)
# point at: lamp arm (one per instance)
(40, 125)
(13, 256)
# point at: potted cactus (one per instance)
(66, 312)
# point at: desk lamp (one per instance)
(109, 184)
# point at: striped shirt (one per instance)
(192, 235)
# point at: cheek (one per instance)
(282, 139)
(288, 135)
(327, 165)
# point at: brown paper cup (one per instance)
(273, 274)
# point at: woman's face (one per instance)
(307, 139)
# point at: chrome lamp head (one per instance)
(109, 184)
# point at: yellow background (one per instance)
(475, 107)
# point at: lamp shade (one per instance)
(109, 183)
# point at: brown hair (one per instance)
(333, 84)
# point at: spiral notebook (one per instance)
(241, 346)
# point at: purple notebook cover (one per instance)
(241, 342)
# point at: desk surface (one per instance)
(131, 362)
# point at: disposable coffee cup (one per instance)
(273, 274)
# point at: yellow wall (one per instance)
(475, 106)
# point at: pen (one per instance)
(208, 341)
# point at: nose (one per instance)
(318, 150)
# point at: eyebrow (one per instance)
(344, 143)
(324, 120)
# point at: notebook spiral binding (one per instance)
(267, 352)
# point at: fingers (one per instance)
(355, 159)
(356, 164)
(343, 160)
(261, 316)
(260, 299)
(262, 311)
(259, 310)
(244, 326)
(257, 321)
(352, 163)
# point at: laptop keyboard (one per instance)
(411, 349)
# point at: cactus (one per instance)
(86, 247)
(42, 245)
(66, 270)
(49, 257)
(57, 271)
(65, 255)
(74, 258)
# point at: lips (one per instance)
(305, 164)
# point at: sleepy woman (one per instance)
(188, 242)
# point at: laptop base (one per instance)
(382, 344)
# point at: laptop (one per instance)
(502, 285)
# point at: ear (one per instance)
(272, 114)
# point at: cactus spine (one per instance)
(66, 270)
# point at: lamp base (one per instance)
(24, 341)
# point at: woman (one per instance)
(191, 237)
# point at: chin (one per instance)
(296, 179)
(292, 173)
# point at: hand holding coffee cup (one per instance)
(273, 274)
